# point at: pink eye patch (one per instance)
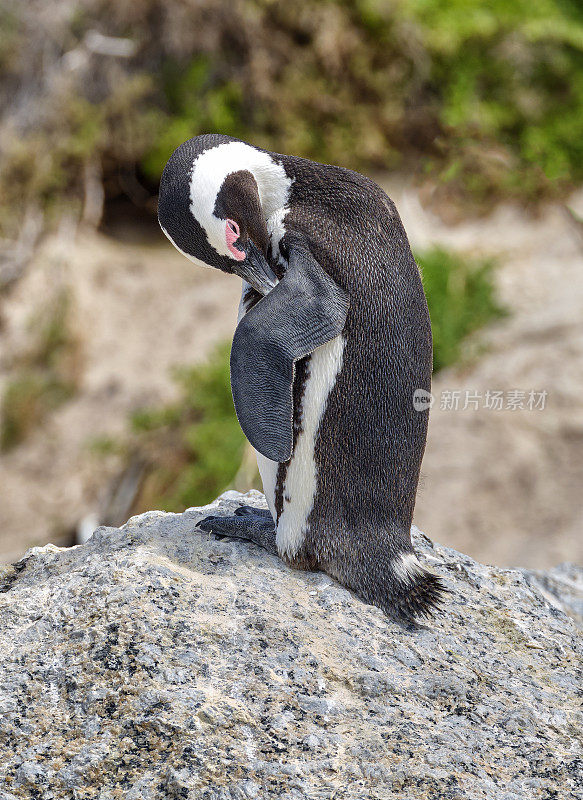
(231, 236)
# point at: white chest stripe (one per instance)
(301, 479)
(268, 471)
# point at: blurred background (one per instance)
(114, 383)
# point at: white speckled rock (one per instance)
(158, 662)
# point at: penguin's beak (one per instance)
(255, 269)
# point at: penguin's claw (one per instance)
(253, 524)
(243, 511)
(208, 524)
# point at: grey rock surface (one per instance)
(562, 586)
(158, 662)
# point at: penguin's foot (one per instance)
(253, 524)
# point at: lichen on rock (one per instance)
(156, 661)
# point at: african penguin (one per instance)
(332, 341)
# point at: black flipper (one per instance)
(253, 524)
(304, 311)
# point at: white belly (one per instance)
(268, 471)
(301, 479)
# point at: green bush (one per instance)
(45, 376)
(27, 400)
(486, 96)
(195, 103)
(461, 298)
(508, 79)
(193, 447)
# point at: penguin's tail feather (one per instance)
(393, 579)
(414, 590)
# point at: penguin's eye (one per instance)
(233, 227)
(231, 236)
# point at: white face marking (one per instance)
(407, 567)
(301, 479)
(209, 171)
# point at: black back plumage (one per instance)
(371, 440)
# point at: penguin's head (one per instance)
(216, 195)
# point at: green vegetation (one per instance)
(483, 97)
(47, 166)
(27, 400)
(510, 96)
(194, 104)
(44, 377)
(193, 448)
(489, 94)
(461, 298)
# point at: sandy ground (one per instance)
(503, 486)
